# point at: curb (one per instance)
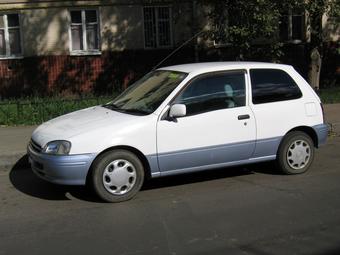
(334, 128)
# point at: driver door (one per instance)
(218, 129)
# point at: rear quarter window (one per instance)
(272, 85)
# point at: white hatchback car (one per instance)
(181, 119)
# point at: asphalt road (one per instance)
(247, 210)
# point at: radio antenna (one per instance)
(177, 49)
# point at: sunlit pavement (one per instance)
(246, 210)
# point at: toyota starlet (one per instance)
(182, 119)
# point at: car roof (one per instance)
(211, 66)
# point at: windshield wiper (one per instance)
(111, 106)
(132, 111)
(137, 111)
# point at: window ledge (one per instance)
(85, 53)
(295, 41)
(222, 45)
(159, 48)
(10, 57)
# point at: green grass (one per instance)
(330, 95)
(32, 111)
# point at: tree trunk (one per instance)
(315, 68)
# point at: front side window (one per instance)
(147, 94)
(272, 85)
(214, 92)
(84, 31)
(157, 27)
(10, 39)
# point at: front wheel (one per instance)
(117, 176)
(296, 153)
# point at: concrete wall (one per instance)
(121, 27)
(182, 22)
(45, 24)
(331, 28)
(45, 31)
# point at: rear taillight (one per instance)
(323, 113)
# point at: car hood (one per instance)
(75, 123)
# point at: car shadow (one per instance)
(25, 181)
(209, 175)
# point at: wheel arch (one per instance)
(309, 131)
(138, 153)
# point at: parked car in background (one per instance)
(182, 119)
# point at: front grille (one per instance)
(35, 146)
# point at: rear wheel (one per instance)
(117, 175)
(296, 153)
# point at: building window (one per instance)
(157, 27)
(84, 32)
(10, 38)
(222, 24)
(292, 26)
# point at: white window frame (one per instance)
(85, 50)
(222, 44)
(6, 34)
(157, 37)
(225, 42)
(289, 17)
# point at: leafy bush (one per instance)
(31, 111)
(330, 96)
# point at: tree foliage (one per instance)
(316, 9)
(245, 23)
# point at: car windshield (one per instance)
(145, 95)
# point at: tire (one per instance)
(117, 176)
(295, 153)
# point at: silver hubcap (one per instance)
(298, 154)
(119, 177)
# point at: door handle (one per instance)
(243, 117)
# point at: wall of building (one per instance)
(331, 28)
(121, 27)
(47, 68)
(182, 22)
(45, 31)
(78, 75)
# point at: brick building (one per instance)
(75, 47)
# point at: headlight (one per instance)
(57, 148)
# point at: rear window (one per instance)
(272, 85)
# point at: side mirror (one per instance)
(177, 110)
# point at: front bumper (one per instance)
(66, 170)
